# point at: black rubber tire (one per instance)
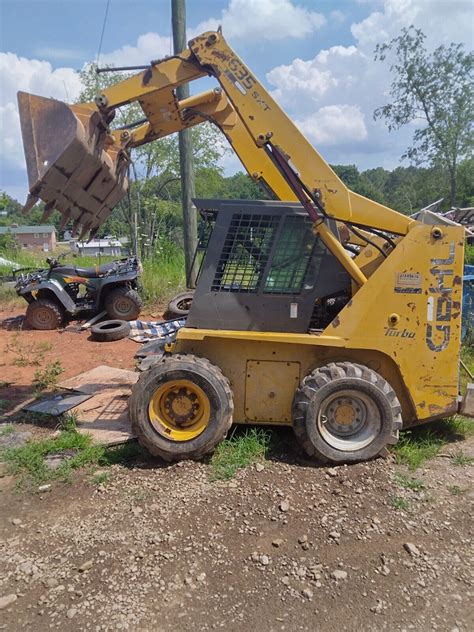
(330, 379)
(180, 305)
(123, 303)
(205, 375)
(44, 313)
(110, 330)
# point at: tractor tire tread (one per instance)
(325, 375)
(138, 391)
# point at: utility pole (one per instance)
(186, 159)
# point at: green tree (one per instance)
(436, 91)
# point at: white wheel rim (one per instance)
(349, 420)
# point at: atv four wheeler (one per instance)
(63, 290)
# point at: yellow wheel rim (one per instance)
(179, 410)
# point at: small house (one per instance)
(105, 246)
(32, 237)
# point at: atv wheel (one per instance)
(110, 330)
(181, 408)
(43, 313)
(346, 412)
(180, 305)
(122, 303)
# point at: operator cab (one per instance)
(257, 258)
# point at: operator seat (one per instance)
(88, 273)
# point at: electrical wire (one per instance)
(102, 33)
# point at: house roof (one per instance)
(23, 230)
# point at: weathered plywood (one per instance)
(101, 378)
(105, 414)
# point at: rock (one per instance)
(285, 580)
(335, 535)
(302, 539)
(14, 439)
(201, 577)
(412, 549)
(7, 601)
(71, 613)
(50, 582)
(259, 467)
(85, 566)
(264, 560)
(384, 570)
(16, 521)
(284, 505)
(44, 488)
(338, 574)
(278, 542)
(308, 593)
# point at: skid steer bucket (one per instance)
(73, 164)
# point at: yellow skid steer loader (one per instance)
(324, 311)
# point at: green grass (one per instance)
(6, 429)
(240, 450)
(455, 490)
(461, 459)
(26, 353)
(399, 503)
(100, 478)
(418, 445)
(163, 276)
(27, 462)
(409, 483)
(48, 376)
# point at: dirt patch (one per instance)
(287, 547)
(73, 348)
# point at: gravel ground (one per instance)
(287, 546)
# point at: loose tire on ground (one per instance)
(180, 305)
(345, 412)
(110, 330)
(44, 313)
(123, 303)
(181, 408)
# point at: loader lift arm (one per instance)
(78, 165)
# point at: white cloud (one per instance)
(28, 75)
(61, 54)
(149, 46)
(264, 19)
(334, 125)
(333, 95)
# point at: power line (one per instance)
(102, 33)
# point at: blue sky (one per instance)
(316, 56)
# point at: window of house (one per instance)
(46, 235)
(36, 235)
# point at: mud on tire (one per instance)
(44, 313)
(123, 303)
(345, 412)
(176, 370)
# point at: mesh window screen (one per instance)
(292, 256)
(245, 253)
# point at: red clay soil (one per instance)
(73, 348)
